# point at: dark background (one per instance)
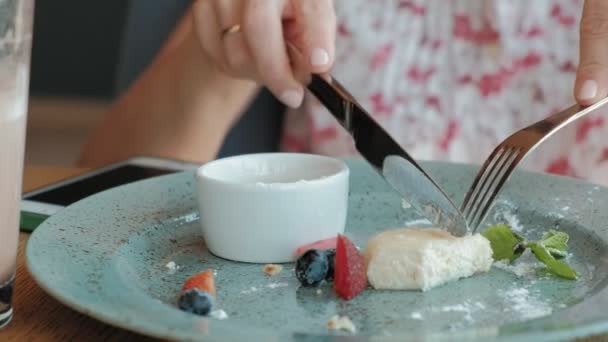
(94, 49)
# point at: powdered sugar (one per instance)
(524, 303)
(416, 315)
(520, 269)
(467, 309)
(525, 266)
(250, 290)
(271, 286)
(520, 302)
(287, 184)
(557, 215)
(511, 219)
(218, 314)
(506, 212)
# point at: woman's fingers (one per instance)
(238, 61)
(592, 74)
(208, 30)
(315, 23)
(248, 39)
(263, 31)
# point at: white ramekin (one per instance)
(261, 207)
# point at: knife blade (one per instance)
(388, 158)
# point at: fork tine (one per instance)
(485, 190)
(503, 176)
(491, 173)
(482, 175)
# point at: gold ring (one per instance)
(230, 30)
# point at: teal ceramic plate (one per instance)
(106, 256)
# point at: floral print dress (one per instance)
(450, 79)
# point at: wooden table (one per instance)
(39, 317)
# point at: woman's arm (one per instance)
(180, 107)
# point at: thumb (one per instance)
(592, 74)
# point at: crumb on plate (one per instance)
(171, 266)
(341, 323)
(219, 314)
(272, 269)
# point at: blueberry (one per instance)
(331, 256)
(196, 301)
(312, 267)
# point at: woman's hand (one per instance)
(256, 48)
(592, 75)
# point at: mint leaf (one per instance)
(555, 239)
(557, 267)
(507, 245)
(556, 253)
(504, 242)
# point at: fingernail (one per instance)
(319, 57)
(588, 90)
(292, 98)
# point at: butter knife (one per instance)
(388, 158)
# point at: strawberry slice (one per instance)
(321, 245)
(350, 277)
(201, 281)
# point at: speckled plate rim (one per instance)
(548, 328)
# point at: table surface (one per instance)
(39, 317)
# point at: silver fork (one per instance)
(496, 170)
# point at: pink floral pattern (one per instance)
(451, 79)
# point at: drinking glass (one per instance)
(16, 18)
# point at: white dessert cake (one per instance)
(414, 258)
